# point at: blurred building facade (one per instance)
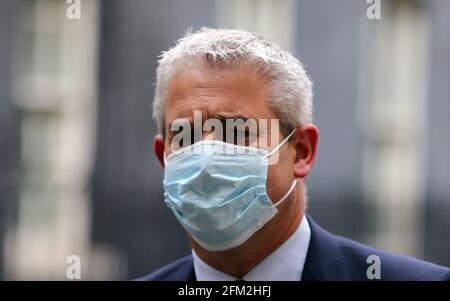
(78, 172)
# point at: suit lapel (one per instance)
(324, 260)
(185, 272)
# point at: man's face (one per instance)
(225, 94)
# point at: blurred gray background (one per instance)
(77, 171)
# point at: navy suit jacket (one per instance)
(331, 257)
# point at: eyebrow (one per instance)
(225, 116)
(219, 116)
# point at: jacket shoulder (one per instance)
(356, 257)
(179, 270)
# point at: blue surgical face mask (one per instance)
(218, 192)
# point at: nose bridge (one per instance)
(200, 116)
(212, 127)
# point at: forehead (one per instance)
(217, 93)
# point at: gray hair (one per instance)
(289, 87)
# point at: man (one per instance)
(242, 199)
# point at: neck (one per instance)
(239, 261)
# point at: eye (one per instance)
(243, 137)
(179, 138)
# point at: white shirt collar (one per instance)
(285, 263)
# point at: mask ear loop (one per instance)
(294, 183)
(281, 144)
(287, 193)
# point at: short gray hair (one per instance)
(289, 87)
